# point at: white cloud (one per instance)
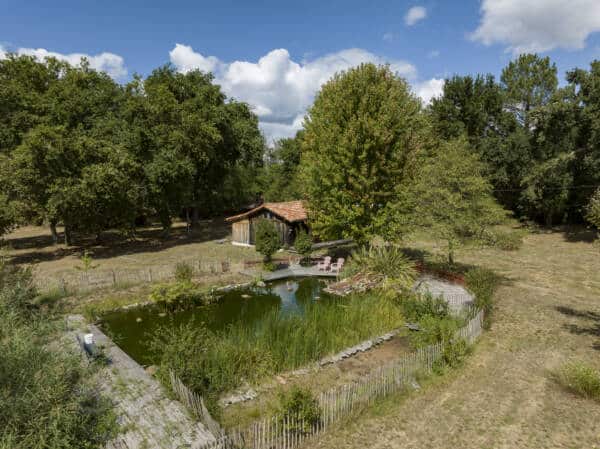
(279, 89)
(433, 54)
(389, 37)
(537, 25)
(429, 89)
(414, 14)
(112, 64)
(186, 59)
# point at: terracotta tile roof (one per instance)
(289, 210)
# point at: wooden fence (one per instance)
(98, 279)
(288, 432)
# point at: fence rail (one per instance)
(291, 431)
(98, 279)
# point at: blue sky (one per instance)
(302, 43)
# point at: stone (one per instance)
(138, 320)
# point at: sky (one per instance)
(276, 54)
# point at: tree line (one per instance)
(372, 159)
(78, 149)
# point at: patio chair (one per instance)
(325, 264)
(337, 266)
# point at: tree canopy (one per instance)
(361, 139)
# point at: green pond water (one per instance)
(289, 297)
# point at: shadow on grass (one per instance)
(592, 327)
(114, 243)
(576, 234)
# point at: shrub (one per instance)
(303, 244)
(184, 272)
(269, 266)
(483, 284)
(389, 261)
(267, 238)
(300, 405)
(45, 398)
(581, 379)
(504, 240)
(180, 295)
(414, 308)
(593, 210)
(434, 330)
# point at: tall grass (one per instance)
(580, 378)
(212, 363)
(324, 328)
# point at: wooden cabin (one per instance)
(289, 218)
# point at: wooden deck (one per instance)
(148, 417)
(290, 272)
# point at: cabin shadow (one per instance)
(113, 243)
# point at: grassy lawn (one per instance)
(506, 396)
(33, 245)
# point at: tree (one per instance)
(529, 82)
(189, 141)
(303, 244)
(593, 210)
(361, 139)
(267, 238)
(281, 183)
(7, 218)
(450, 197)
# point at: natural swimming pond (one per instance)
(132, 328)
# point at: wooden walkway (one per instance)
(149, 419)
(290, 272)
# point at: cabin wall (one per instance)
(240, 232)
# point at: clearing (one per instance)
(547, 312)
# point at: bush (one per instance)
(300, 404)
(184, 272)
(483, 284)
(414, 308)
(180, 295)
(389, 261)
(303, 244)
(267, 238)
(435, 330)
(46, 400)
(507, 241)
(581, 379)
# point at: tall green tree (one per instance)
(281, 177)
(361, 139)
(529, 81)
(450, 198)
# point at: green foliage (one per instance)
(388, 261)
(529, 82)
(214, 363)
(483, 284)
(87, 262)
(581, 379)
(361, 139)
(416, 307)
(269, 266)
(451, 198)
(184, 272)
(300, 405)
(281, 176)
(303, 244)
(267, 238)
(180, 295)
(453, 355)
(505, 240)
(46, 400)
(435, 329)
(593, 210)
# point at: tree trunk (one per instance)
(195, 216)
(54, 232)
(450, 253)
(68, 236)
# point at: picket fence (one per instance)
(97, 279)
(288, 432)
